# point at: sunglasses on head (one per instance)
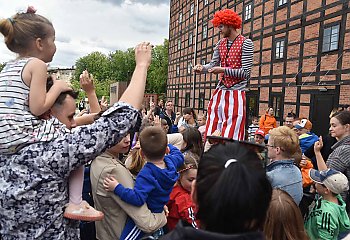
(214, 140)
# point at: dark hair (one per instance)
(22, 28)
(254, 118)
(234, 198)
(153, 141)
(60, 99)
(284, 219)
(189, 111)
(291, 114)
(193, 139)
(343, 117)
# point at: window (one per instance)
(192, 9)
(205, 31)
(330, 38)
(282, 2)
(277, 104)
(189, 68)
(248, 12)
(177, 70)
(203, 61)
(206, 2)
(190, 38)
(180, 17)
(279, 49)
(201, 100)
(179, 44)
(114, 89)
(187, 99)
(176, 101)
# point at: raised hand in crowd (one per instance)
(87, 84)
(135, 92)
(157, 121)
(103, 103)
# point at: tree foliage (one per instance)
(119, 66)
(2, 65)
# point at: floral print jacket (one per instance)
(33, 182)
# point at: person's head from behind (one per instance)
(283, 143)
(64, 106)
(340, 125)
(188, 172)
(232, 190)
(153, 142)
(282, 212)
(29, 34)
(329, 182)
(192, 141)
(189, 114)
(289, 120)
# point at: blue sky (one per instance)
(84, 26)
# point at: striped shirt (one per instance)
(339, 159)
(18, 127)
(247, 63)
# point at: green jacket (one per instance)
(327, 219)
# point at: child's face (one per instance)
(201, 121)
(320, 189)
(259, 139)
(187, 178)
(255, 122)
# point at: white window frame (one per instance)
(279, 48)
(192, 9)
(180, 18)
(190, 38)
(331, 38)
(248, 11)
(205, 31)
(282, 2)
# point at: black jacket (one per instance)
(189, 233)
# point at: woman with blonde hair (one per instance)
(282, 212)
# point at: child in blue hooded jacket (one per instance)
(155, 181)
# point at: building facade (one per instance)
(301, 55)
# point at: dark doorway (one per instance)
(321, 106)
(252, 105)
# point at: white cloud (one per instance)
(84, 26)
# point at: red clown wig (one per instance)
(227, 17)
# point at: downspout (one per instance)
(195, 55)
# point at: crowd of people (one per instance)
(154, 173)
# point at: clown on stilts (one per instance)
(232, 60)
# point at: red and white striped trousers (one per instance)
(227, 113)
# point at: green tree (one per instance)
(122, 65)
(158, 71)
(98, 65)
(119, 66)
(2, 65)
